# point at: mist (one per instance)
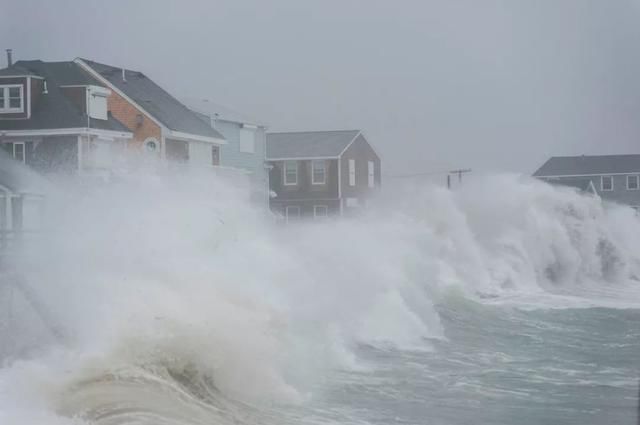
(435, 85)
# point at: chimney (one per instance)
(9, 57)
(124, 77)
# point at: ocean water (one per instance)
(504, 302)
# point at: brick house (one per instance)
(321, 173)
(161, 125)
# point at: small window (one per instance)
(12, 98)
(215, 155)
(352, 172)
(606, 184)
(19, 151)
(247, 140)
(320, 211)
(290, 173)
(371, 173)
(151, 145)
(292, 212)
(318, 171)
(633, 182)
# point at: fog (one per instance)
(490, 85)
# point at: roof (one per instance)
(54, 110)
(16, 70)
(154, 100)
(309, 144)
(210, 109)
(589, 165)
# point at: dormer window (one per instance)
(11, 98)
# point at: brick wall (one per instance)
(127, 114)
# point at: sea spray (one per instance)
(174, 287)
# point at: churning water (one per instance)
(505, 302)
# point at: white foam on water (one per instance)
(166, 294)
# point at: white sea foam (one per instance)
(204, 298)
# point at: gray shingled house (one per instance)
(615, 178)
(321, 173)
(54, 116)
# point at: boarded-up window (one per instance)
(247, 140)
(352, 172)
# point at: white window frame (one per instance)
(316, 208)
(5, 108)
(288, 216)
(245, 144)
(284, 173)
(637, 177)
(352, 172)
(148, 141)
(602, 183)
(371, 173)
(324, 171)
(24, 151)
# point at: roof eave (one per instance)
(180, 135)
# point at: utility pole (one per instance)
(459, 172)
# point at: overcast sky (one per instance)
(434, 84)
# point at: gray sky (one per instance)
(435, 84)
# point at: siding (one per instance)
(619, 194)
(361, 152)
(230, 156)
(304, 189)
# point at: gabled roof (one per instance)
(54, 110)
(154, 100)
(309, 144)
(589, 165)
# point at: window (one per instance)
(320, 211)
(371, 173)
(247, 140)
(606, 183)
(151, 145)
(19, 151)
(352, 172)
(290, 173)
(291, 212)
(11, 98)
(318, 171)
(215, 155)
(633, 182)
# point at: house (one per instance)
(21, 202)
(615, 178)
(161, 125)
(54, 117)
(246, 143)
(321, 173)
